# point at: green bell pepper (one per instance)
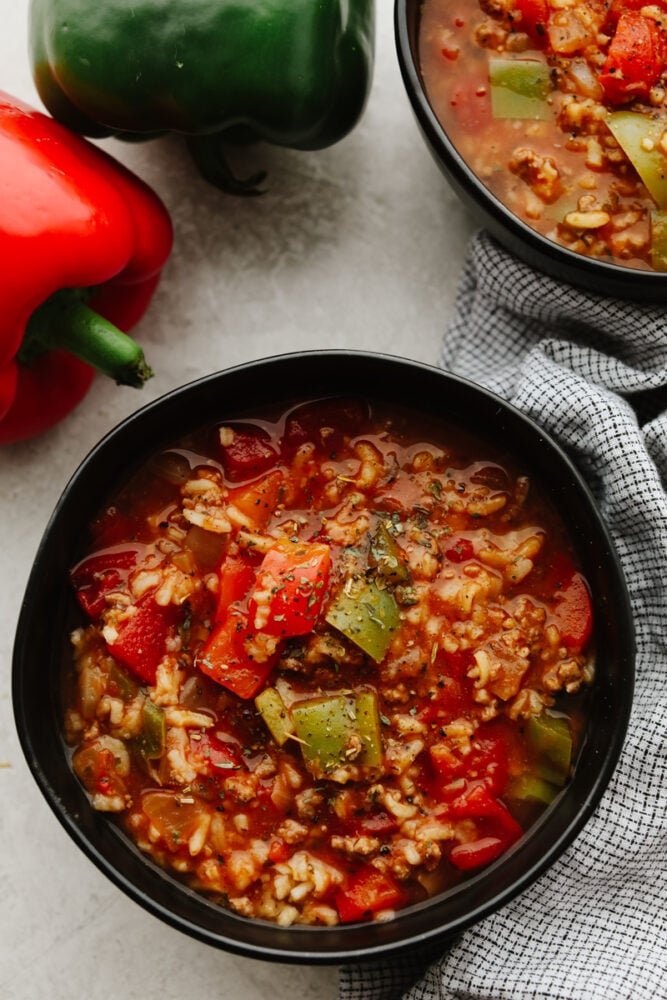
(151, 740)
(659, 240)
(294, 73)
(367, 615)
(275, 714)
(339, 729)
(551, 740)
(519, 88)
(639, 137)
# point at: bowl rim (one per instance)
(575, 267)
(303, 944)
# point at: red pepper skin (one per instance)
(141, 641)
(70, 217)
(225, 658)
(367, 892)
(635, 59)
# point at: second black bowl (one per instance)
(530, 246)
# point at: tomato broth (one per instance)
(559, 108)
(328, 663)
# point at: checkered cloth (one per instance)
(593, 372)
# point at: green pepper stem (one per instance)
(64, 322)
(208, 155)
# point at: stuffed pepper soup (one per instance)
(329, 662)
(558, 106)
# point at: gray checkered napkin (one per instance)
(593, 372)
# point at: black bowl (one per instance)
(530, 246)
(46, 617)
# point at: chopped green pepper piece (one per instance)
(385, 555)
(338, 729)
(639, 137)
(275, 714)
(127, 688)
(367, 615)
(151, 740)
(368, 728)
(530, 788)
(659, 240)
(550, 737)
(519, 88)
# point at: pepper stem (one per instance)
(64, 322)
(208, 155)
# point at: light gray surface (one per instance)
(359, 246)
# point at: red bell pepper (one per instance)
(99, 575)
(533, 18)
(141, 640)
(249, 453)
(635, 58)
(367, 892)
(230, 656)
(496, 827)
(291, 587)
(572, 608)
(82, 241)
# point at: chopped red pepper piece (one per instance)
(291, 587)
(635, 58)
(228, 659)
(533, 18)
(479, 852)
(214, 756)
(142, 636)
(249, 453)
(494, 823)
(236, 581)
(259, 499)
(98, 575)
(572, 609)
(367, 892)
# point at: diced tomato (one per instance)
(574, 614)
(324, 423)
(533, 18)
(98, 575)
(635, 58)
(367, 892)
(278, 851)
(96, 767)
(486, 762)
(141, 637)
(259, 499)
(291, 587)
(214, 755)
(237, 578)
(249, 453)
(375, 824)
(227, 659)
(460, 551)
(452, 693)
(448, 765)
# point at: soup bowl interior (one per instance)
(49, 612)
(595, 275)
